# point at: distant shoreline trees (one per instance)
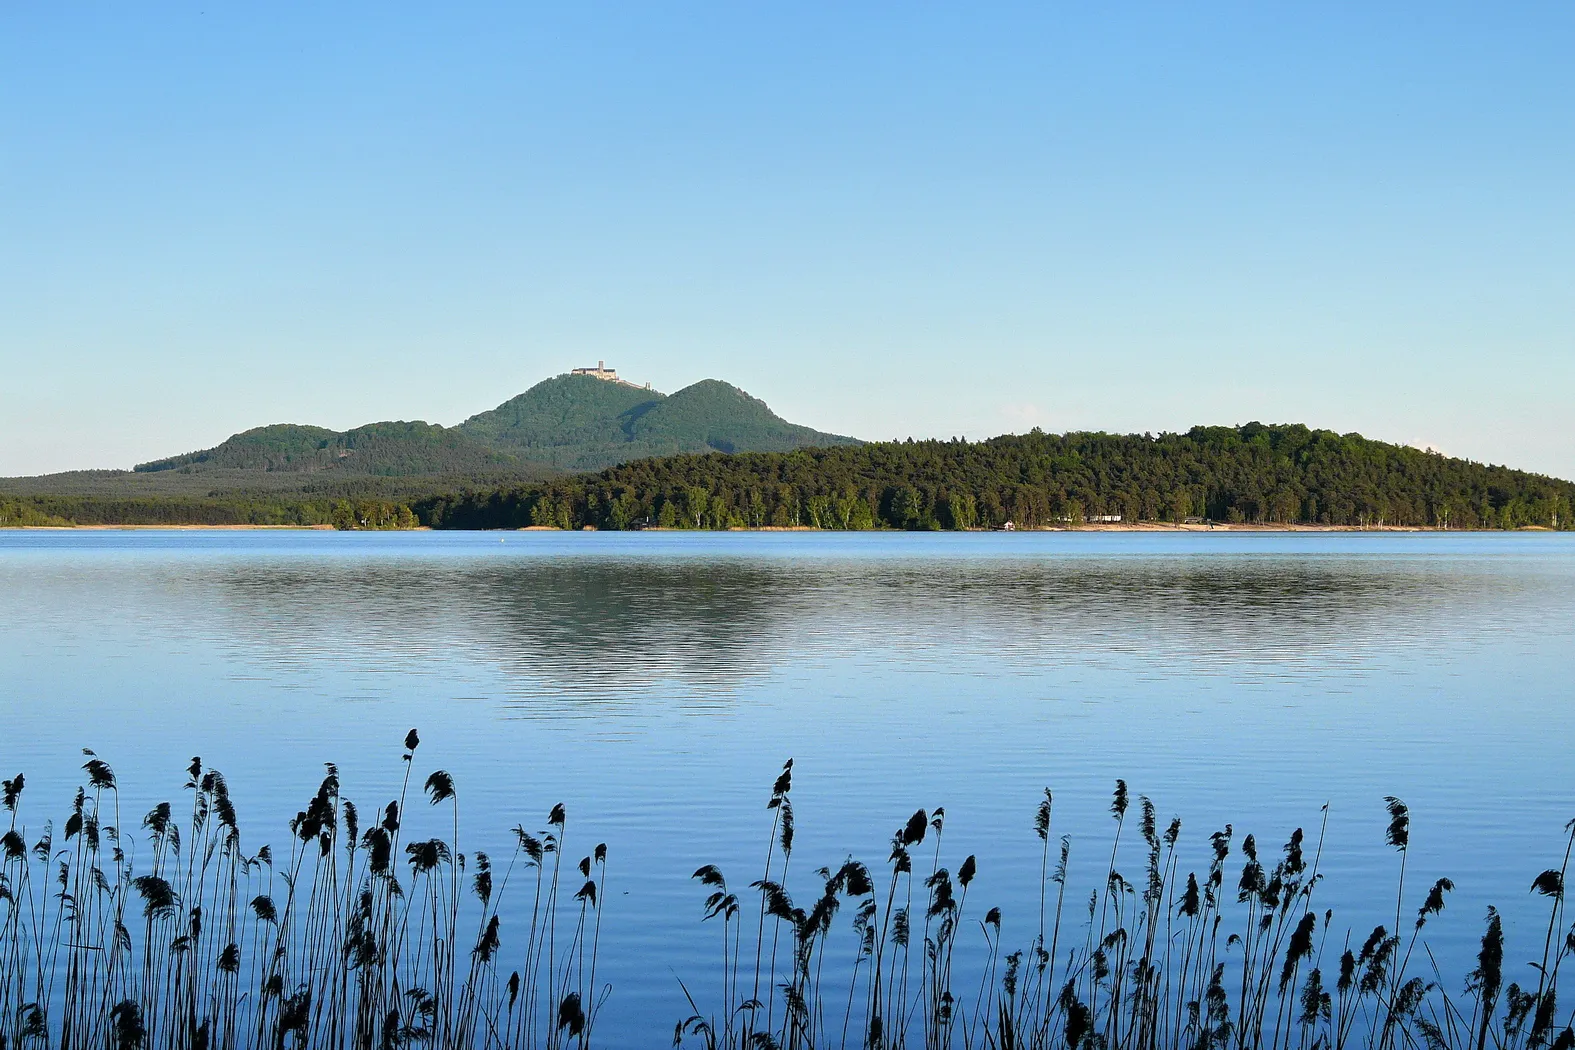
(217, 510)
(1252, 474)
(1255, 474)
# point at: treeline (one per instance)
(1250, 474)
(23, 513)
(370, 514)
(1287, 474)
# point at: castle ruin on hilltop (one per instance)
(601, 371)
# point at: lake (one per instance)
(654, 683)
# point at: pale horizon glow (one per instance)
(883, 221)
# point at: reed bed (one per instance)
(350, 937)
(1237, 955)
(169, 935)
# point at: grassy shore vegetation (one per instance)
(181, 935)
(1253, 473)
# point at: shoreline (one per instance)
(172, 528)
(1139, 526)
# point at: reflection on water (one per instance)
(655, 682)
(584, 628)
(605, 627)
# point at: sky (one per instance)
(886, 220)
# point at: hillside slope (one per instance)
(563, 418)
(390, 449)
(576, 422)
(281, 446)
(713, 416)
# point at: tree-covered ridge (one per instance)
(715, 416)
(563, 412)
(1252, 474)
(389, 449)
(568, 422)
(274, 447)
(578, 422)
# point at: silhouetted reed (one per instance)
(194, 944)
(1165, 963)
(350, 937)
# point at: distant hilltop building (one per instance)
(601, 371)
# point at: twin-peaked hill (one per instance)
(581, 423)
(569, 422)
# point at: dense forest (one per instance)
(229, 496)
(1250, 474)
(231, 509)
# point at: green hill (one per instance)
(713, 416)
(568, 422)
(392, 449)
(294, 474)
(1286, 474)
(576, 422)
(283, 446)
(564, 420)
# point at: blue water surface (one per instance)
(655, 683)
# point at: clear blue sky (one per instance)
(886, 221)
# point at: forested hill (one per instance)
(577, 422)
(393, 449)
(1253, 473)
(566, 423)
(569, 423)
(291, 474)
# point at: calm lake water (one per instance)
(655, 682)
